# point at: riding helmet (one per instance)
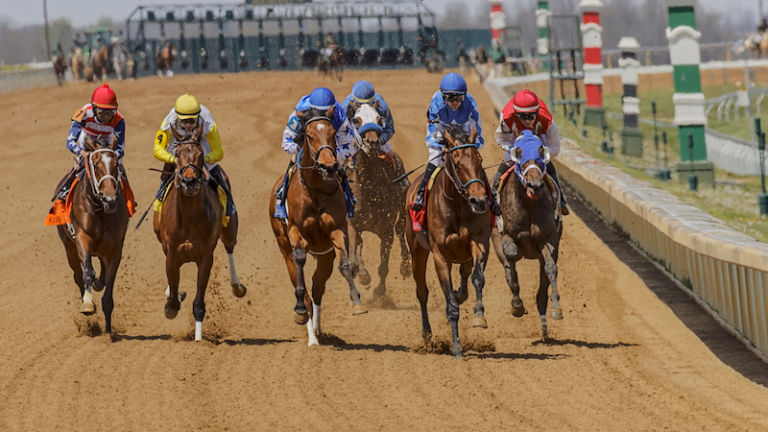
(322, 98)
(453, 83)
(104, 97)
(187, 107)
(525, 101)
(363, 92)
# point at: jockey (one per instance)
(347, 139)
(452, 104)
(363, 93)
(185, 117)
(98, 118)
(525, 111)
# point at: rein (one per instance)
(520, 173)
(95, 183)
(454, 175)
(314, 155)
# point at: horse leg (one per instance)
(319, 278)
(511, 257)
(339, 240)
(74, 263)
(405, 262)
(443, 269)
(465, 269)
(384, 251)
(198, 305)
(229, 238)
(478, 281)
(173, 298)
(86, 265)
(107, 300)
(550, 268)
(359, 263)
(98, 284)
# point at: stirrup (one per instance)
(417, 204)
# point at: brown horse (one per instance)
(317, 220)
(189, 226)
(100, 62)
(379, 202)
(99, 222)
(532, 226)
(60, 67)
(164, 59)
(77, 61)
(458, 224)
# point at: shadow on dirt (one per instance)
(729, 350)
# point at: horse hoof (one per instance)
(359, 309)
(480, 322)
(239, 290)
(380, 291)
(88, 308)
(300, 319)
(364, 278)
(405, 269)
(518, 309)
(556, 314)
(170, 312)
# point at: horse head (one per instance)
(191, 170)
(369, 125)
(531, 158)
(465, 167)
(103, 170)
(319, 142)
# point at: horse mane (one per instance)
(456, 131)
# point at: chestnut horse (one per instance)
(77, 61)
(164, 59)
(458, 225)
(532, 226)
(317, 220)
(100, 62)
(99, 222)
(189, 226)
(60, 68)
(379, 202)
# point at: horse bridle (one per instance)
(317, 153)
(521, 173)
(197, 170)
(454, 175)
(91, 172)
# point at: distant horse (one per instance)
(379, 202)
(532, 226)
(100, 62)
(317, 220)
(189, 225)
(164, 59)
(458, 228)
(99, 222)
(121, 60)
(77, 61)
(756, 43)
(60, 67)
(331, 62)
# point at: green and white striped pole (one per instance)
(542, 42)
(685, 54)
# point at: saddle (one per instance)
(60, 212)
(419, 218)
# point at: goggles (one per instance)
(453, 97)
(526, 116)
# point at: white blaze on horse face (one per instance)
(106, 159)
(320, 127)
(367, 115)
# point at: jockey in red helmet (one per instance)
(99, 118)
(526, 111)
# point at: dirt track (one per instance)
(623, 359)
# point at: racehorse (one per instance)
(331, 62)
(532, 226)
(77, 61)
(100, 62)
(60, 67)
(379, 202)
(164, 59)
(99, 221)
(121, 60)
(317, 220)
(189, 226)
(756, 43)
(458, 228)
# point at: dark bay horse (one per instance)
(330, 62)
(100, 62)
(60, 67)
(379, 202)
(317, 220)
(99, 222)
(532, 226)
(164, 59)
(189, 226)
(458, 224)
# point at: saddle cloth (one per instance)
(61, 211)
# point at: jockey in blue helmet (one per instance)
(321, 99)
(363, 93)
(452, 104)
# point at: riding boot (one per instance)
(280, 194)
(66, 183)
(552, 173)
(349, 197)
(503, 167)
(218, 178)
(418, 202)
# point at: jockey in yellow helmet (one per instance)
(185, 117)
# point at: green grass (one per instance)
(734, 198)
